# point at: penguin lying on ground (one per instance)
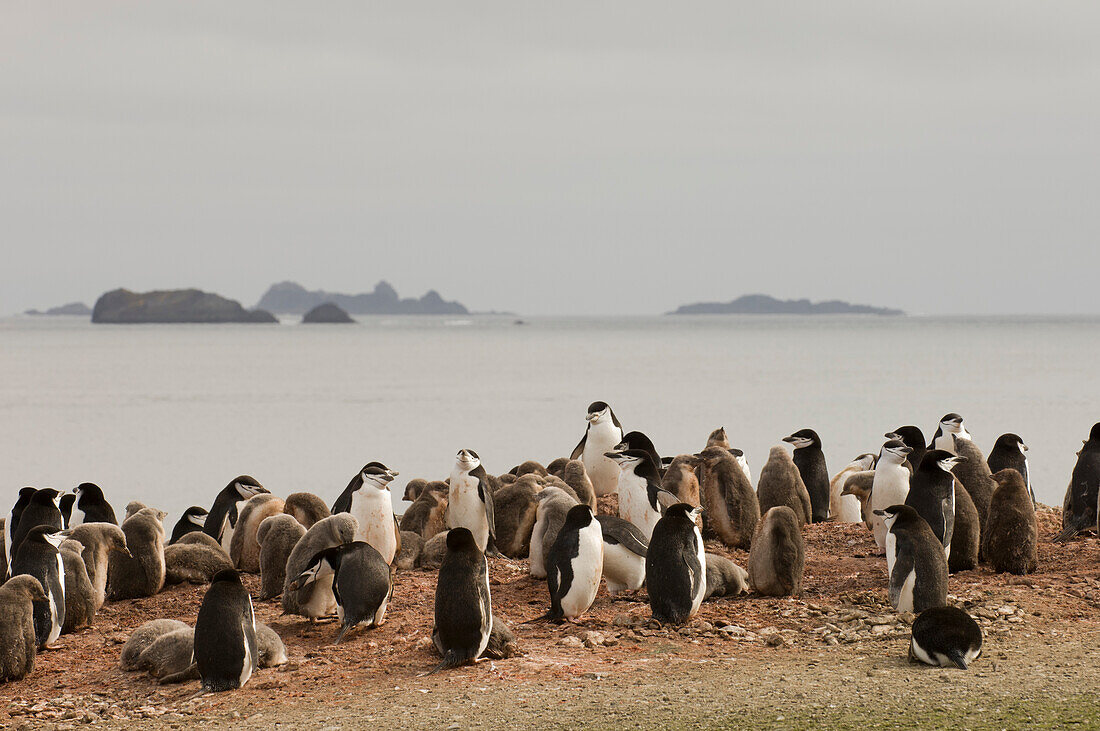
(724, 577)
(944, 636)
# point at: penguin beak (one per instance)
(1023, 447)
(905, 450)
(880, 513)
(892, 435)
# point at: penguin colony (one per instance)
(926, 504)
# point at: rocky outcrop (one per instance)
(121, 306)
(73, 308)
(762, 304)
(294, 299)
(327, 313)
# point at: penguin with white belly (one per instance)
(38, 556)
(90, 506)
(641, 498)
(361, 583)
(574, 564)
(890, 485)
(367, 498)
(915, 561)
(624, 552)
(193, 519)
(945, 636)
(223, 513)
(470, 501)
(951, 426)
(603, 434)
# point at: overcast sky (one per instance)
(594, 157)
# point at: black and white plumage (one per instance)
(810, 461)
(915, 561)
(361, 583)
(463, 606)
(21, 503)
(950, 426)
(932, 494)
(624, 551)
(642, 500)
(945, 636)
(1010, 452)
(223, 513)
(225, 634)
(912, 437)
(42, 509)
(470, 501)
(574, 564)
(89, 506)
(367, 498)
(676, 566)
(193, 519)
(638, 440)
(602, 435)
(38, 556)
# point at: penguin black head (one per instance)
(88, 489)
(228, 576)
(940, 459)
(897, 448)
(687, 511)
(25, 495)
(803, 438)
(247, 486)
(66, 503)
(1010, 441)
(45, 534)
(911, 435)
(467, 460)
(900, 515)
(461, 539)
(636, 440)
(952, 421)
(1094, 435)
(579, 516)
(600, 411)
(378, 474)
(46, 496)
(196, 515)
(640, 460)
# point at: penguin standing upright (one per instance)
(932, 494)
(781, 484)
(810, 461)
(463, 607)
(225, 634)
(470, 501)
(950, 426)
(193, 519)
(890, 485)
(846, 507)
(915, 561)
(17, 637)
(574, 564)
(90, 506)
(603, 434)
(913, 438)
(38, 555)
(42, 509)
(730, 506)
(1084, 489)
(65, 505)
(21, 503)
(367, 497)
(638, 440)
(777, 558)
(1010, 452)
(223, 513)
(676, 565)
(639, 489)
(361, 583)
(1012, 532)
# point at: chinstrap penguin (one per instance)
(463, 606)
(223, 513)
(361, 583)
(225, 634)
(676, 567)
(810, 461)
(950, 426)
(38, 556)
(915, 562)
(932, 494)
(1084, 489)
(639, 489)
(368, 498)
(193, 519)
(602, 435)
(574, 564)
(945, 636)
(470, 501)
(890, 485)
(624, 551)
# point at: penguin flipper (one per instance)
(579, 449)
(486, 496)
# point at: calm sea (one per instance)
(168, 414)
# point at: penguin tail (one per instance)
(452, 659)
(1068, 532)
(343, 631)
(957, 657)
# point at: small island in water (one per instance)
(121, 306)
(762, 304)
(326, 314)
(292, 298)
(78, 309)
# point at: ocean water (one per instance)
(168, 414)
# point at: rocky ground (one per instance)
(835, 655)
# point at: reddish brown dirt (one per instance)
(375, 674)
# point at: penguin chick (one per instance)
(431, 556)
(17, 637)
(428, 513)
(277, 535)
(574, 475)
(1011, 537)
(413, 489)
(141, 573)
(306, 508)
(169, 654)
(409, 555)
(193, 563)
(718, 438)
(724, 577)
(514, 511)
(316, 599)
(777, 557)
(528, 468)
(680, 479)
(964, 540)
(550, 514)
(781, 484)
(730, 507)
(847, 507)
(100, 540)
(80, 605)
(244, 549)
(144, 636)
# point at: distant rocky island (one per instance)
(121, 306)
(293, 299)
(327, 314)
(762, 304)
(73, 308)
